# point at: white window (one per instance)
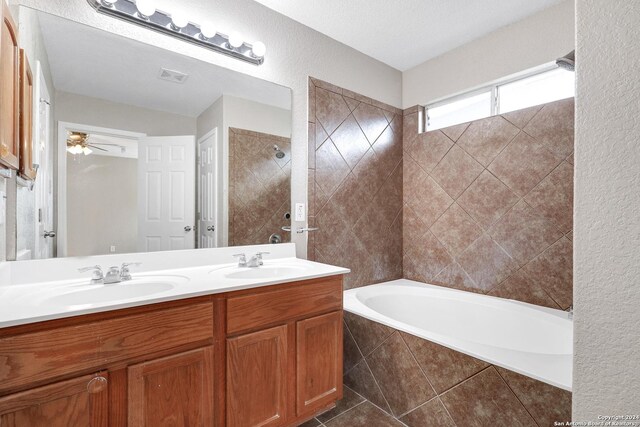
(535, 90)
(509, 95)
(463, 109)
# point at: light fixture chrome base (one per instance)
(161, 22)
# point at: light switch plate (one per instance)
(300, 216)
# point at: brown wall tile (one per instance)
(400, 378)
(259, 187)
(357, 185)
(485, 400)
(523, 201)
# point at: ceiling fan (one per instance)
(78, 143)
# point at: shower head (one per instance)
(568, 62)
(279, 153)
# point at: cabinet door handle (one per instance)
(97, 385)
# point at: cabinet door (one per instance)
(257, 378)
(26, 118)
(81, 401)
(9, 91)
(319, 362)
(173, 391)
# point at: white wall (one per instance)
(606, 378)
(98, 112)
(294, 52)
(536, 40)
(244, 114)
(102, 205)
(229, 111)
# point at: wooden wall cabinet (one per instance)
(9, 91)
(260, 357)
(26, 118)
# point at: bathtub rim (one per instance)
(561, 379)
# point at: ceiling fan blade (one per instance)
(97, 148)
(106, 143)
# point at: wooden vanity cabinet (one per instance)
(284, 353)
(172, 391)
(260, 357)
(82, 401)
(257, 378)
(9, 91)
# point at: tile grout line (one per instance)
(380, 389)
(413, 356)
(517, 398)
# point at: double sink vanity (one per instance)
(191, 338)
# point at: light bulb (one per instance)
(145, 8)
(208, 31)
(70, 149)
(235, 40)
(258, 49)
(179, 21)
(108, 3)
(86, 151)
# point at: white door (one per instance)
(166, 193)
(43, 157)
(207, 190)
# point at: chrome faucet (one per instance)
(114, 275)
(254, 261)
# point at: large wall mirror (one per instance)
(141, 149)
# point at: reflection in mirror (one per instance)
(153, 150)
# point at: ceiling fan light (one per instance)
(86, 150)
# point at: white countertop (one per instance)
(26, 296)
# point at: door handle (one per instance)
(51, 234)
(188, 228)
(211, 228)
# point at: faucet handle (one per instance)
(259, 257)
(97, 276)
(125, 271)
(130, 264)
(242, 259)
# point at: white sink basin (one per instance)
(133, 289)
(264, 272)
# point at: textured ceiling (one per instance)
(91, 62)
(406, 33)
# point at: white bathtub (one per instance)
(528, 339)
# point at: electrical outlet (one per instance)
(112, 249)
(300, 216)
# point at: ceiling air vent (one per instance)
(173, 76)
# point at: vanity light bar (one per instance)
(180, 27)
